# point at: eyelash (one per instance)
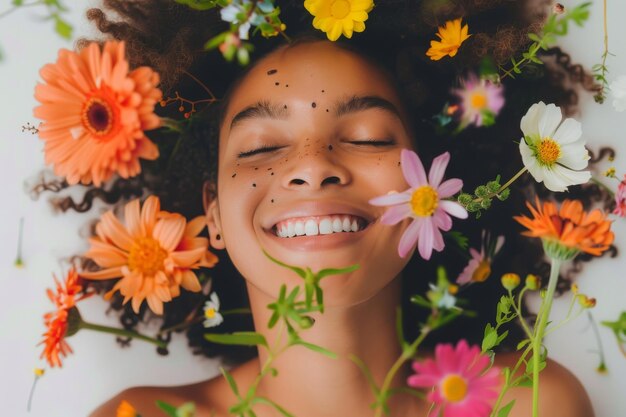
(262, 149)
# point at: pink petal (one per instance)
(408, 239)
(442, 220)
(426, 239)
(453, 208)
(449, 187)
(437, 169)
(391, 199)
(438, 244)
(412, 168)
(395, 214)
(423, 381)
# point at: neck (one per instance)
(311, 384)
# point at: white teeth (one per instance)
(322, 225)
(337, 225)
(310, 228)
(299, 228)
(326, 227)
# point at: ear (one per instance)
(212, 215)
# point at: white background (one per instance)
(99, 368)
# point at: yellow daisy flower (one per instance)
(336, 17)
(452, 35)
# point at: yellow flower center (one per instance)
(340, 9)
(453, 388)
(97, 116)
(424, 201)
(548, 151)
(209, 313)
(147, 256)
(482, 272)
(478, 101)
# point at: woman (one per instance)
(313, 131)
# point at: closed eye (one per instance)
(262, 149)
(374, 142)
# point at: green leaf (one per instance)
(216, 41)
(237, 338)
(368, 375)
(523, 343)
(336, 271)
(316, 348)
(295, 269)
(271, 403)
(504, 411)
(534, 37)
(168, 409)
(17, 2)
(231, 381)
(63, 28)
(420, 301)
(458, 238)
(490, 337)
(198, 4)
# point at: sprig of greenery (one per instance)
(556, 25)
(619, 330)
(600, 70)
(292, 311)
(483, 196)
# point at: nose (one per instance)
(315, 170)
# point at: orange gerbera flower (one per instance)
(94, 113)
(569, 230)
(64, 299)
(451, 36)
(154, 253)
(125, 409)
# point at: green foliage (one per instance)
(458, 238)
(200, 4)
(238, 338)
(504, 411)
(555, 26)
(483, 196)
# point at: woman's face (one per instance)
(310, 135)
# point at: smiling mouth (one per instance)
(319, 225)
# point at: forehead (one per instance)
(315, 72)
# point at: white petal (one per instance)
(570, 176)
(569, 131)
(549, 121)
(553, 181)
(574, 156)
(530, 162)
(530, 121)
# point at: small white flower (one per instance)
(212, 316)
(553, 152)
(445, 299)
(230, 12)
(618, 91)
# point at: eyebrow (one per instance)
(261, 109)
(354, 104)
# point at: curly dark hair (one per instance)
(169, 37)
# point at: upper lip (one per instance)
(316, 208)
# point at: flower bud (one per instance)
(532, 282)
(453, 289)
(510, 281)
(574, 289)
(586, 302)
(306, 322)
(39, 372)
(558, 8)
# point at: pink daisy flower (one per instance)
(461, 384)
(424, 202)
(478, 268)
(620, 199)
(481, 100)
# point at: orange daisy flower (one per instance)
(154, 253)
(94, 113)
(64, 299)
(125, 409)
(451, 36)
(568, 230)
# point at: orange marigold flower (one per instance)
(94, 113)
(64, 299)
(568, 230)
(154, 253)
(451, 36)
(125, 409)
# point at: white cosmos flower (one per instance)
(553, 152)
(618, 91)
(212, 316)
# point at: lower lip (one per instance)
(318, 242)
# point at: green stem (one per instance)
(603, 185)
(407, 353)
(518, 311)
(122, 332)
(508, 384)
(504, 187)
(18, 259)
(540, 330)
(11, 10)
(200, 318)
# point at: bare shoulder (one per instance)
(560, 393)
(211, 397)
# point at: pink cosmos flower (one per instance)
(478, 268)
(620, 199)
(461, 387)
(424, 202)
(480, 99)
